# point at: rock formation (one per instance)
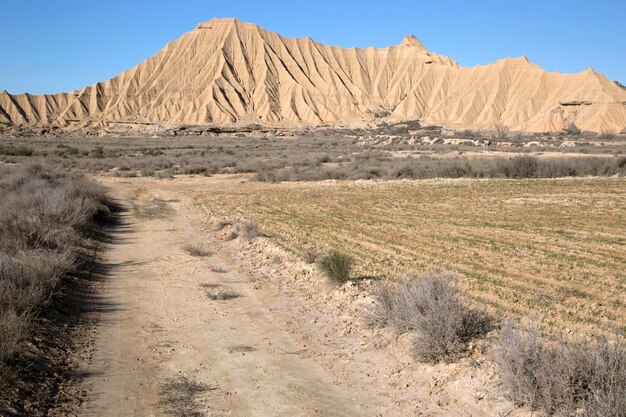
(229, 72)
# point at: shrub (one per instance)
(196, 250)
(561, 378)
(147, 172)
(219, 292)
(250, 229)
(220, 225)
(523, 166)
(45, 216)
(310, 254)
(430, 308)
(16, 150)
(607, 135)
(500, 131)
(337, 266)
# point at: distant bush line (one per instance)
(382, 167)
(312, 159)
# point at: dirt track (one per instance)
(162, 339)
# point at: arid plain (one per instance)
(251, 225)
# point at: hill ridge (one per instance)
(226, 71)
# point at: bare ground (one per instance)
(282, 343)
(164, 348)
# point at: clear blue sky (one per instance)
(61, 45)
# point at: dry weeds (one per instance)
(430, 308)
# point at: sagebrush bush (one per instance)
(522, 166)
(337, 266)
(45, 215)
(430, 308)
(563, 378)
(310, 254)
(196, 250)
(250, 229)
(220, 225)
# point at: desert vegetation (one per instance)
(217, 292)
(430, 308)
(563, 377)
(551, 250)
(250, 229)
(179, 397)
(48, 220)
(547, 248)
(312, 157)
(337, 266)
(196, 250)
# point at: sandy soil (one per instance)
(162, 327)
(287, 344)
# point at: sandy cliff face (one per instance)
(226, 71)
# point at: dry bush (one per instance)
(45, 216)
(563, 378)
(179, 397)
(310, 254)
(220, 225)
(219, 292)
(196, 250)
(522, 166)
(297, 160)
(218, 269)
(500, 131)
(337, 266)
(430, 308)
(16, 150)
(250, 229)
(607, 135)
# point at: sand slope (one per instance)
(226, 71)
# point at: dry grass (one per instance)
(179, 397)
(337, 266)
(563, 378)
(555, 249)
(429, 307)
(219, 292)
(196, 250)
(45, 217)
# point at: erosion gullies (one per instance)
(229, 72)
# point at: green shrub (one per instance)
(337, 266)
(16, 150)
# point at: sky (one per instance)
(63, 45)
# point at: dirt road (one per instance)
(165, 348)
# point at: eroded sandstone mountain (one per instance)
(226, 71)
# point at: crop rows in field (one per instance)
(550, 249)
